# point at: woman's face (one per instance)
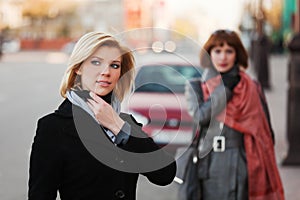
(101, 71)
(223, 57)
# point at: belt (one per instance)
(221, 143)
(229, 138)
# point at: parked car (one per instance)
(159, 102)
(11, 46)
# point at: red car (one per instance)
(159, 102)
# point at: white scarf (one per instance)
(78, 101)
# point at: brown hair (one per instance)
(219, 38)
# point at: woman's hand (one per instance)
(105, 114)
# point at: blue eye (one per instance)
(95, 62)
(115, 66)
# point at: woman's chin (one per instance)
(102, 93)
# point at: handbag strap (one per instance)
(196, 86)
(195, 142)
(196, 135)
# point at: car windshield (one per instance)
(164, 78)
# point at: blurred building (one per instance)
(103, 15)
(10, 14)
(50, 19)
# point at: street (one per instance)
(29, 84)
(28, 91)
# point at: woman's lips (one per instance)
(223, 65)
(104, 83)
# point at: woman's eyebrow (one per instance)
(113, 61)
(116, 61)
(97, 57)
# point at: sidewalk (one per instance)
(277, 99)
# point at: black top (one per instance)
(61, 161)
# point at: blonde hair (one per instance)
(84, 48)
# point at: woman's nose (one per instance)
(105, 71)
(223, 56)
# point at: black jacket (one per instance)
(65, 157)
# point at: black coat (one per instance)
(62, 160)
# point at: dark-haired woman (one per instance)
(237, 142)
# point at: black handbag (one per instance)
(189, 187)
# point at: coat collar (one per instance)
(82, 126)
(65, 109)
(209, 73)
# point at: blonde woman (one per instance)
(87, 149)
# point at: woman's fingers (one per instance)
(91, 103)
(96, 98)
(106, 116)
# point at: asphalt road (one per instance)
(28, 91)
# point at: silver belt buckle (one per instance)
(219, 144)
